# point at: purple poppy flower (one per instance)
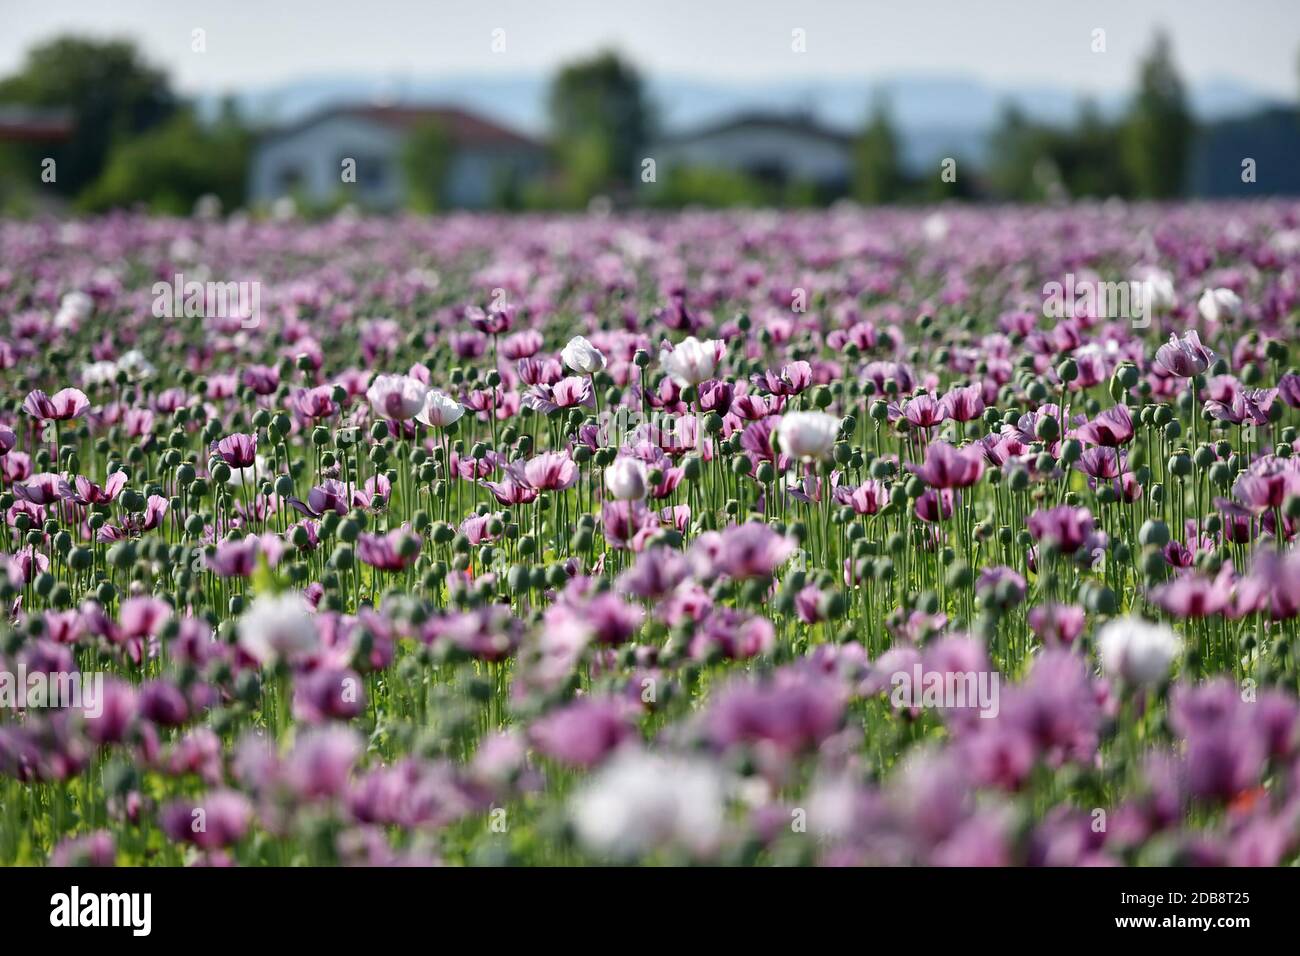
(1065, 526)
(162, 703)
(1110, 429)
(44, 488)
(963, 404)
(394, 551)
(234, 559)
(328, 693)
(1185, 357)
(97, 849)
(1247, 405)
(397, 397)
(239, 450)
(749, 550)
(1288, 389)
(63, 405)
(219, 818)
(321, 762)
(922, 410)
(790, 712)
(655, 573)
(1192, 596)
(733, 635)
(331, 495)
(949, 467)
(90, 493)
(583, 733)
(1057, 623)
(549, 471)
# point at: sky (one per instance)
(255, 44)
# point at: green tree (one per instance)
(425, 160)
(600, 124)
(877, 170)
(169, 167)
(1158, 130)
(1014, 149)
(110, 92)
(703, 186)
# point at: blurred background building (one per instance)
(483, 160)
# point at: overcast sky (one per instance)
(257, 43)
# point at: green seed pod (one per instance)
(1154, 533)
(1153, 562)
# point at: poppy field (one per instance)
(939, 536)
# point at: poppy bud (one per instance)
(1154, 533)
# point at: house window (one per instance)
(372, 171)
(771, 171)
(289, 179)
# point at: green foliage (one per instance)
(1144, 155)
(1159, 128)
(1089, 159)
(877, 169)
(934, 189)
(111, 93)
(1017, 146)
(600, 122)
(19, 174)
(720, 188)
(170, 167)
(1032, 161)
(425, 161)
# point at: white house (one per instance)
(773, 148)
(307, 159)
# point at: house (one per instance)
(18, 124)
(307, 159)
(773, 148)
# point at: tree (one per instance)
(1158, 130)
(877, 171)
(1091, 161)
(1034, 161)
(1014, 149)
(600, 123)
(426, 158)
(109, 91)
(169, 167)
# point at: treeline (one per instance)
(136, 142)
(1143, 154)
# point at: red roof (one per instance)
(465, 129)
(30, 126)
